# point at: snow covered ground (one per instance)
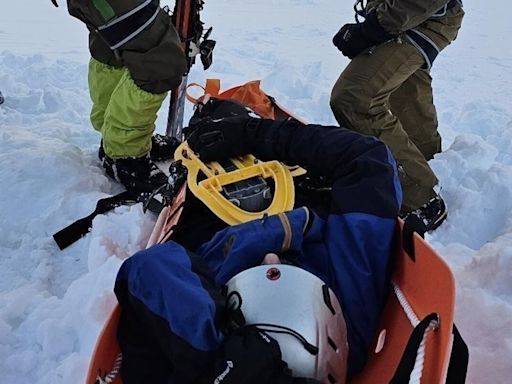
(53, 303)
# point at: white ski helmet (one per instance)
(297, 309)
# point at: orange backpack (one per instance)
(249, 94)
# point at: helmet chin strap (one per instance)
(236, 321)
(274, 328)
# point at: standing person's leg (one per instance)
(105, 71)
(360, 101)
(413, 104)
(129, 119)
(105, 74)
(154, 63)
(103, 79)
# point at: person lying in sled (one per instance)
(289, 298)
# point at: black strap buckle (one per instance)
(206, 49)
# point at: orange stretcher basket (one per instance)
(422, 282)
(425, 283)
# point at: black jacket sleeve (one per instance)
(359, 168)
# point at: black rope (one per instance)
(359, 11)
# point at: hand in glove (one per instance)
(250, 356)
(352, 39)
(219, 139)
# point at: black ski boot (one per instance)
(1, 98)
(137, 174)
(162, 148)
(431, 215)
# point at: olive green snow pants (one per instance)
(128, 85)
(387, 94)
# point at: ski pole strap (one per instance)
(67, 236)
(405, 367)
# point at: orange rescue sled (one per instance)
(421, 286)
(416, 334)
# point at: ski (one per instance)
(195, 41)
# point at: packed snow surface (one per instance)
(53, 303)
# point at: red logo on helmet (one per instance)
(273, 274)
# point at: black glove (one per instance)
(250, 356)
(218, 139)
(352, 39)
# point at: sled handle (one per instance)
(211, 88)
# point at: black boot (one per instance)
(432, 214)
(162, 148)
(137, 174)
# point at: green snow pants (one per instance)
(129, 84)
(122, 112)
(387, 94)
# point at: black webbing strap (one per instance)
(459, 360)
(67, 236)
(405, 367)
(412, 224)
(125, 27)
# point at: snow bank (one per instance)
(53, 303)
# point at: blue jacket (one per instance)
(349, 247)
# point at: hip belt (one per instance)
(428, 49)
